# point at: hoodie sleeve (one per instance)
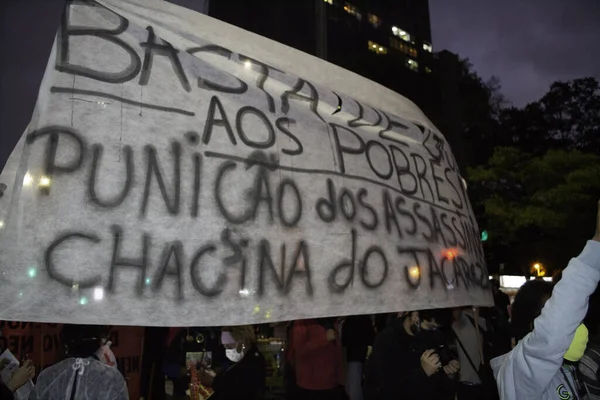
(528, 369)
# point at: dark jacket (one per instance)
(357, 335)
(394, 369)
(242, 380)
(5, 393)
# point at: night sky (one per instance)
(528, 44)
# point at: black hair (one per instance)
(442, 316)
(82, 340)
(528, 305)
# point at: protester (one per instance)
(546, 320)
(181, 341)
(410, 359)
(316, 358)
(19, 378)
(589, 370)
(357, 335)
(470, 354)
(244, 377)
(81, 375)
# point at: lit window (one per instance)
(374, 20)
(403, 47)
(401, 34)
(353, 10)
(427, 47)
(329, 1)
(377, 48)
(412, 64)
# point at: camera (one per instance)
(445, 354)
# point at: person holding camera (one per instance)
(411, 359)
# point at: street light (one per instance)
(539, 269)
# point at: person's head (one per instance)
(527, 306)
(82, 340)
(428, 320)
(237, 341)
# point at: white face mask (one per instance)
(233, 355)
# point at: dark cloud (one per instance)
(527, 44)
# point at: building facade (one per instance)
(387, 41)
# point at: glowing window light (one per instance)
(401, 34)
(376, 48)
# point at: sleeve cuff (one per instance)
(590, 255)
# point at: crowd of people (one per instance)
(545, 345)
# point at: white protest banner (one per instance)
(180, 171)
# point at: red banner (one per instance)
(41, 344)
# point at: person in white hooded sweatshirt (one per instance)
(83, 375)
(533, 369)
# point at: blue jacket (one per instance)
(533, 369)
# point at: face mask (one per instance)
(578, 344)
(233, 355)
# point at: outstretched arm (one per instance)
(529, 368)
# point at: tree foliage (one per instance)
(536, 169)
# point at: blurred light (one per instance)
(75, 287)
(27, 179)
(20, 293)
(381, 49)
(536, 265)
(268, 314)
(394, 29)
(45, 181)
(484, 236)
(511, 281)
(414, 272)
(83, 301)
(244, 292)
(1, 224)
(450, 254)
(546, 278)
(98, 294)
(256, 309)
(32, 272)
(148, 281)
(247, 64)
